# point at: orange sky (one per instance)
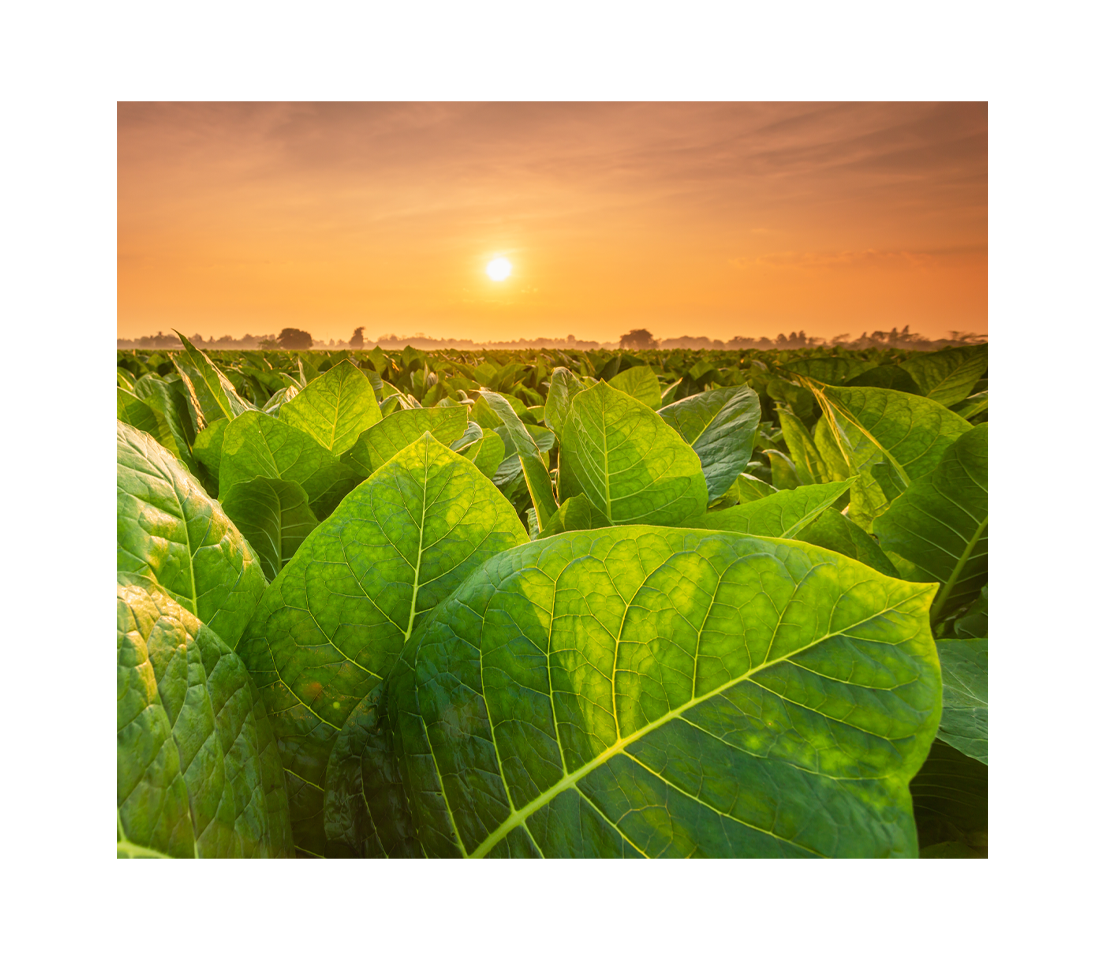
(715, 219)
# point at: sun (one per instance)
(499, 268)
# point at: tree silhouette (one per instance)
(640, 339)
(292, 339)
(357, 341)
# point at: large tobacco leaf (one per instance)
(563, 386)
(834, 531)
(173, 536)
(910, 433)
(198, 772)
(950, 803)
(640, 383)
(257, 445)
(533, 468)
(939, 525)
(782, 514)
(169, 400)
(964, 714)
(382, 441)
(212, 392)
(332, 623)
(644, 691)
(629, 462)
(274, 516)
(721, 426)
(334, 409)
(948, 376)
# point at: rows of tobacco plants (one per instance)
(552, 604)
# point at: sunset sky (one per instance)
(715, 219)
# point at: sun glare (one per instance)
(499, 268)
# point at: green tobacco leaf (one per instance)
(334, 409)
(974, 621)
(940, 524)
(804, 453)
(382, 441)
(888, 376)
(216, 394)
(274, 516)
(657, 692)
(130, 409)
(533, 469)
(280, 398)
(640, 383)
(630, 463)
(332, 623)
(973, 406)
(563, 386)
(964, 711)
(487, 453)
(950, 800)
(365, 809)
(834, 531)
(169, 400)
(257, 445)
(576, 513)
(172, 536)
(784, 475)
(835, 371)
(208, 447)
(749, 488)
(721, 426)
(910, 433)
(783, 514)
(198, 773)
(948, 376)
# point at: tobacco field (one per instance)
(552, 603)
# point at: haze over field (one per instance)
(712, 219)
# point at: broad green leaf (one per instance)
(130, 409)
(215, 392)
(473, 432)
(950, 800)
(273, 515)
(365, 810)
(382, 441)
(124, 379)
(563, 386)
(335, 408)
(888, 376)
(804, 454)
(576, 513)
(533, 469)
(784, 475)
(749, 488)
(169, 400)
(910, 433)
(974, 621)
(964, 711)
(198, 773)
(332, 623)
(172, 536)
(948, 376)
(631, 464)
(640, 383)
(783, 514)
(208, 448)
(973, 406)
(644, 691)
(835, 371)
(940, 524)
(487, 453)
(257, 445)
(834, 531)
(721, 426)
(279, 399)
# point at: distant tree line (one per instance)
(291, 338)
